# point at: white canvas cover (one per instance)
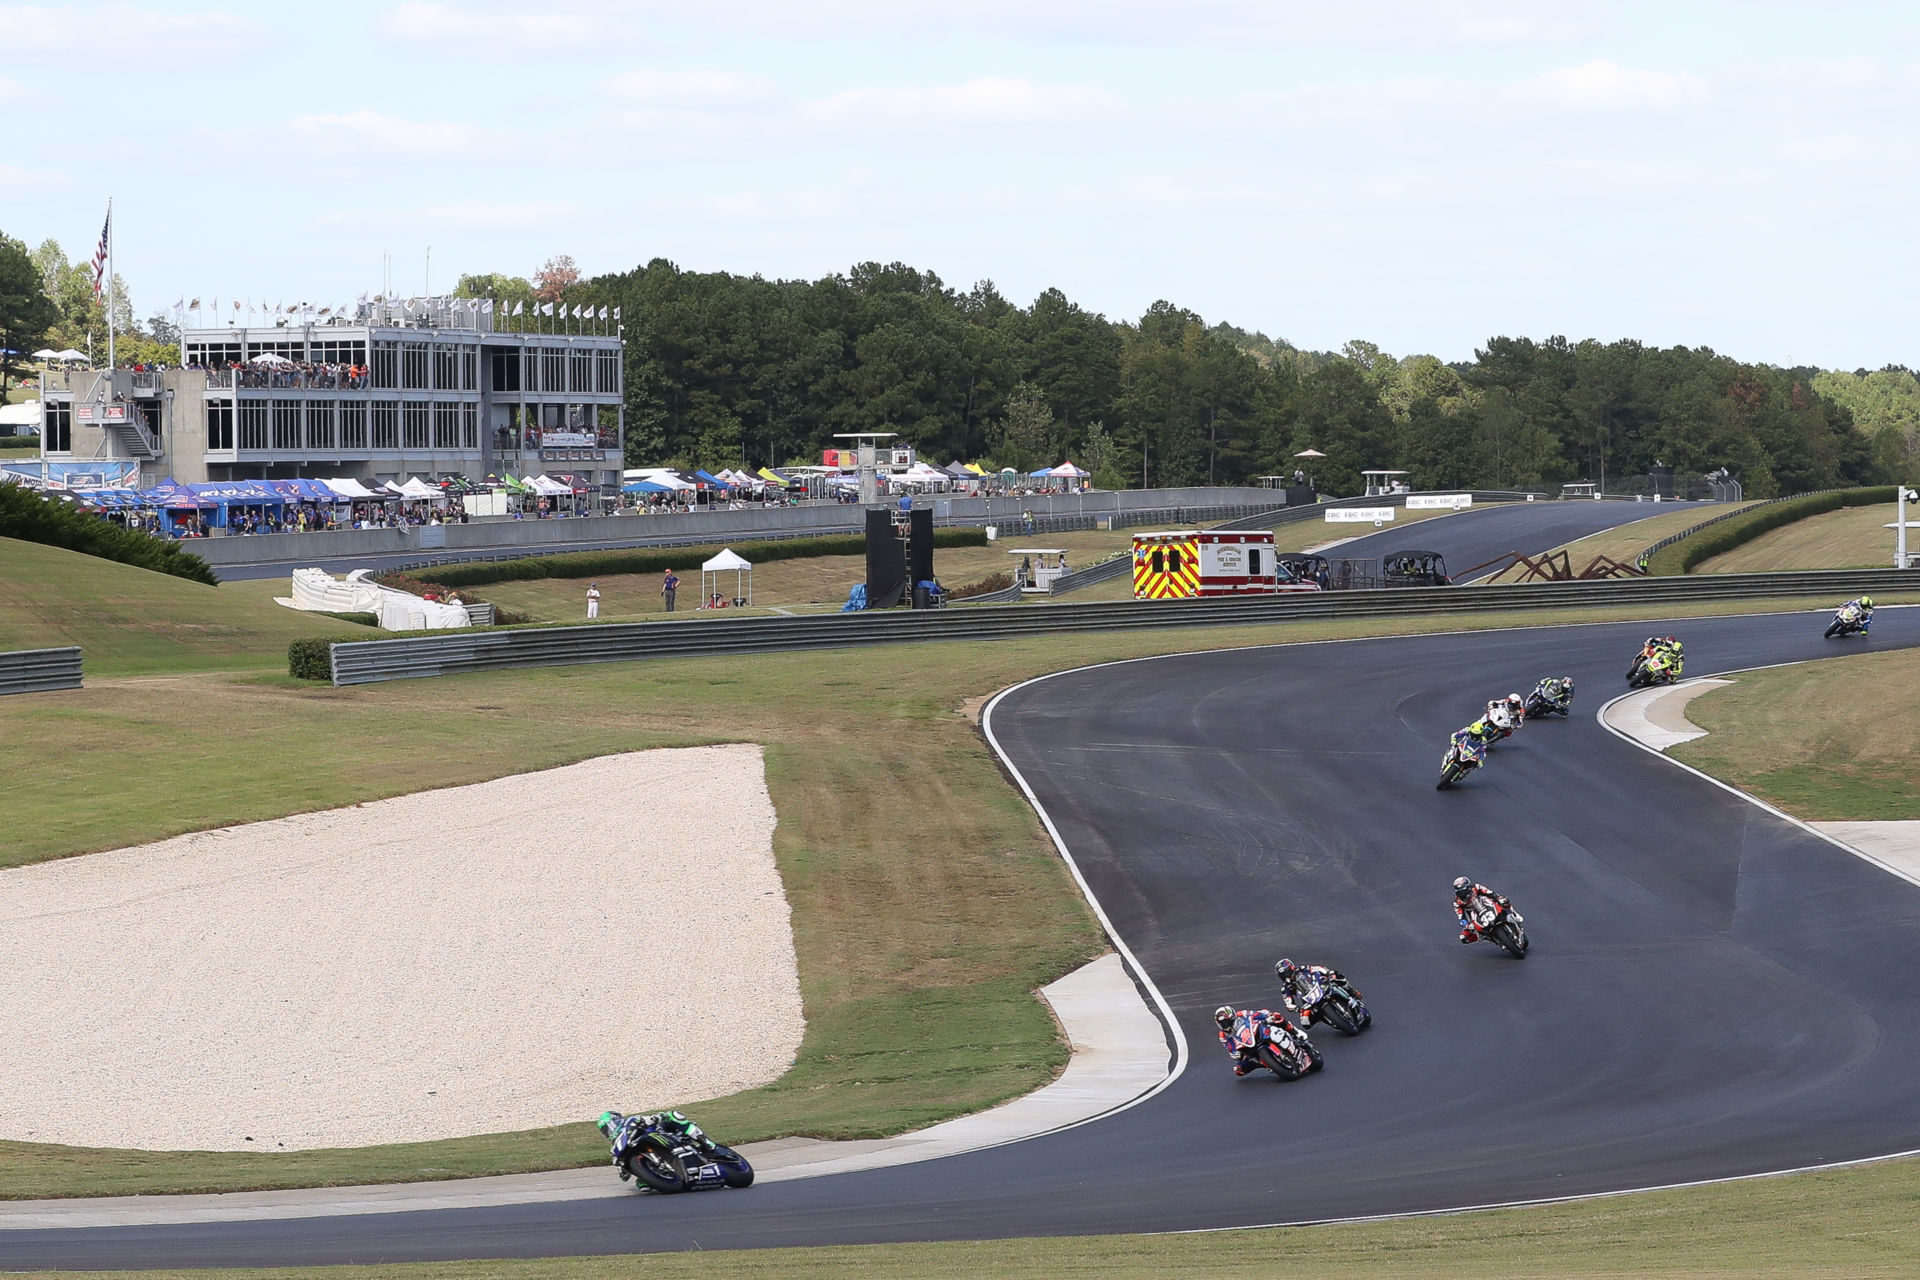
(347, 487)
(415, 487)
(727, 559)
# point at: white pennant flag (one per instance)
(603, 313)
(616, 313)
(519, 308)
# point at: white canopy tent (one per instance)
(419, 490)
(727, 560)
(70, 355)
(547, 487)
(347, 487)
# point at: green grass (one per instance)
(1850, 538)
(1718, 538)
(1847, 1224)
(135, 621)
(1859, 765)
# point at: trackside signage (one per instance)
(1359, 515)
(1439, 501)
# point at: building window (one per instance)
(446, 367)
(253, 424)
(530, 369)
(353, 425)
(286, 425)
(581, 364)
(469, 368)
(413, 422)
(386, 365)
(220, 426)
(469, 426)
(446, 426)
(320, 424)
(413, 366)
(386, 424)
(506, 369)
(553, 368)
(607, 372)
(57, 431)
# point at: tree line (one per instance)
(729, 370)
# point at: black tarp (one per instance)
(920, 545)
(886, 560)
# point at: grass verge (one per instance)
(1684, 555)
(1851, 1223)
(1850, 538)
(1623, 542)
(1820, 768)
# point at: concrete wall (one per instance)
(705, 526)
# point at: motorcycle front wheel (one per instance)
(658, 1169)
(1277, 1064)
(1833, 629)
(733, 1166)
(1509, 938)
(1338, 1015)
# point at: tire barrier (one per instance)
(366, 662)
(39, 670)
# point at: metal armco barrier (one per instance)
(39, 670)
(449, 653)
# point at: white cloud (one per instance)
(687, 86)
(1606, 84)
(472, 214)
(387, 132)
(444, 23)
(11, 90)
(989, 98)
(15, 179)
(63, 27)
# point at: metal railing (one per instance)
(39, 670)
(451, 653)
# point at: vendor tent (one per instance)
(645, 486)
(352, 489)
(70, 355)
(1068, 470)
(419, 490)
(727, 561)
(547, 487)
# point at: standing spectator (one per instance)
(593, 600)
(669, 585)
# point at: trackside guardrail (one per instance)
(39, 670)
(450, 653)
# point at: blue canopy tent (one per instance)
(711, 479)
(226, 495)
(177, 504)
(645, 486)
(300, 490)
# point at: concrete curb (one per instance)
(1657, 718)
(1119, 1053)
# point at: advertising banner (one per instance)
(1439, 501)
(568, 439)
(1359, 515)
(96, 474)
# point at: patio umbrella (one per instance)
(46, 353)
(1309, 453)
(269, 357)
(69, 354)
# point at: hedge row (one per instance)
(25, 515)
(310, 659)
(608, 564)
(1683, 555)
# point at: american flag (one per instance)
(100, 254)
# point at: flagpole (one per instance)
(110, 363)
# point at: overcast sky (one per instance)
(1422, 174)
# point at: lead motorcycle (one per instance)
(1851, 620)
(1467, 752)
(1277, 1045)
(669, 1153)
(1502, 926)
(1662, 666)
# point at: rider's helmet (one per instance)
(1462, 887)
(1516, 703)
(1224, 1016)
(1284, 968)
(1866, 602)
(1568, 682)
(674, 1117)
(608, 1122)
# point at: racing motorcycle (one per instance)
(1277, 1045)
(1500, 925)
(1467, 752)
(660, 1156)
(1662, 666)
(1336, 1004)
(1851, 620)
(1550, 697)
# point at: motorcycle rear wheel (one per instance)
(658, 1169)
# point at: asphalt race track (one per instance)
(1473, 537)
(1712, 991)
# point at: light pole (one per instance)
(1901, 497)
